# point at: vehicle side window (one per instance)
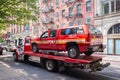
(53, 33)
(79, 30)
(68, 31)
(20, 43)
(27, 41)
(44, 35)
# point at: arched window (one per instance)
(115, 29)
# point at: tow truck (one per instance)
(56, 62)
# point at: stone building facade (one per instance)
(107, 19)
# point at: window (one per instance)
(51, 15)
(57, 15)
(79, 30)
(68, 31)
(28, 41)
(94, 30)
(114, 29)
(78, 8)
(44, 35)
(112, 6)
(70, 10)
(63, 1)
(70, 23)
(20, 43)
(118, 5)
(53, 33)
(63, 25)
(57, 3)
(88, 20)
(20, 28)
(79, 21)
(76, 30)
(14, 30)
(26, 27)
(63, 13)
(106, 8)
(88, 6)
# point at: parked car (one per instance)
(8, 47)
(4, 46)
(11, 47)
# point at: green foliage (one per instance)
(1, 40)
(16, 12)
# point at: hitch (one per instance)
(103, 66)
(98, 67)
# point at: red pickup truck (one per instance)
(75, 40)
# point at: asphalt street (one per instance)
(11, 70)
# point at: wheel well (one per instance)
(34, 44)
(71, 44)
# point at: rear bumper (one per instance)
(97, 48)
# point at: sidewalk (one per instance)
(111, 57)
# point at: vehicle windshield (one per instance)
(20, 43)
(94, 30)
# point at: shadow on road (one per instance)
(35, 71)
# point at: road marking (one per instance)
(107, 76)
(4, 64)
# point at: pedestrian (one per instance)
(1, 50)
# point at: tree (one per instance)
(16, 12)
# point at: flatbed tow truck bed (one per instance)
(80, 60)
(58, 62)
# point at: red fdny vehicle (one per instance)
(75, 40)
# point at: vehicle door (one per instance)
(52, 40)
(27, 45)
(20, 46)
(44, 40)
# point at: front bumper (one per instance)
(97, 48)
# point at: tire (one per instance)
(73, 52)
(1, 53)
(26, 58)
(15, 57)
(34, 48)
(88, 53)
(51, 65)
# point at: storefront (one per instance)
(113, 40)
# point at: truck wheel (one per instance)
(51, 65)
(34, 48)
(15, 57)
(88, 53)
(26, 58)
(73, 52)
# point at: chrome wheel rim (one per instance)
(34, 48)
(49, 65)
(72, 52)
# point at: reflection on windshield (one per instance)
(20, 42)
(94, 30)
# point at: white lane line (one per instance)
(4, 64)
(106, 76)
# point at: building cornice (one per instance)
(107, 16)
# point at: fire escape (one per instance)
(47, 10)
(71, 14)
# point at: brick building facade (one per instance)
(66, 13)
